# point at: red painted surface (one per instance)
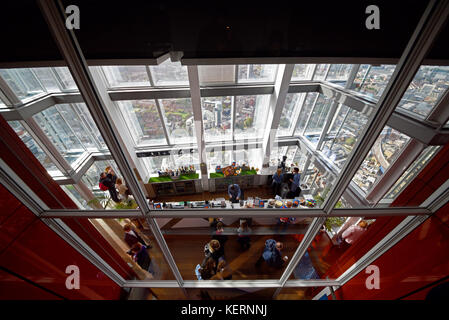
(27, 244)
(419, 259)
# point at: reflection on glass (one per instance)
(217, 118)
(219, 74)
(239, 242)
(169, 73)
(60, 134)
(219, 158)
(256, 72)
(23, 82)
(276, 156)
(303, 72)
(250, 116)
(305, 112)
(317, 119)
(92, 177)
(346, 136)
(372, 80)
(325, 259)
(289, 113)
(126, 76)
(43, 158)
(384, 151)
(76, 197)
(47, 78)
(178, 116)
(321, 71)
(143, 121)
(316, 184)
(426, 89)
(412, 171)
(250, 157)
(65, 78)
(339, 74)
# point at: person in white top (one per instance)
(354, 232)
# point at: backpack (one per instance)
(102, 187)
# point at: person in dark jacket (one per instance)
(272, 254)
(214, 250)
(110, 185)
(132, 237)
(141, 256)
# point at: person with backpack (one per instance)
(272, 254)
(107, 184)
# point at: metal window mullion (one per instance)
(330, 117)
(9, 94)
(70, 50)
(86, 124)
(301, 102)
(341, 126)
(58, 79)
(425, 34)
(47, 146)
(327, 72)
(70, 127)
(150, 77)
(352, 75)
(234, 108)
(37, 79)
(312, 231)
(398, 166)
(164, 123)
(310, 115)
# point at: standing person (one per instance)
(272, 254)
(282, 165)
(218, 235)
(206, 270)
(122, 189)
(234, 193)
(141, 256)
(132, 237)
(107, 182)
(214, 250)
(295, 189)
(110, 174)
(354, 232)
(278, 178)
(243, 235)
(224, 272)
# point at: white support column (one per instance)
(277, 101)
(194, 83)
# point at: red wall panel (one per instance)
(422, 257)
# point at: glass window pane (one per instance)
(219, 158)
(60, 134)
(23, 82)
(169, 73)
(76, 197)
(143, 121)
(250, 116)
(47, 78)
(385, 150)
(289, 113)
(339, 74)
(303, 72)
(92, 178)
(318, 119)
(210, 75)
(88, 122)
(412, 171)
(72, 119)
(217, 118)
(257, 73)
(126, 76)
(372, 80)
(347, 135)
(66, 78)
(426, 89)
(305, 112)
(320, 71)
(35, 149)
(178, 114)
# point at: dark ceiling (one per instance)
(227, 29)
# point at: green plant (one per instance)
(333, 222)
(128, 204)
